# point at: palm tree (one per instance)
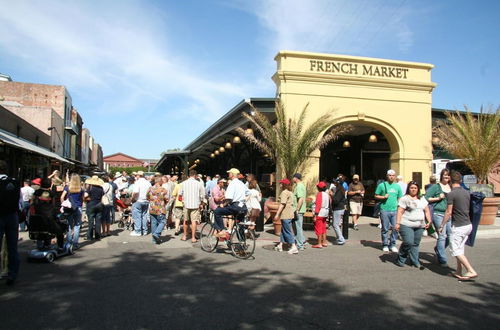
(474, 139)
(288, 142)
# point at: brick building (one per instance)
(122, 160)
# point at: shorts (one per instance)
(458, 238)
(320, 225)
(178, 213)
(356, 207)
(192, 215)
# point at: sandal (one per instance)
(470, 275)
(317, 246)
(183, 239)
(324, 245)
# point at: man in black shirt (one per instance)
(458, 210)
(9, 225)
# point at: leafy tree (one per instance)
(289, 142)
(474, 138)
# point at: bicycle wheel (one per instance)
(207, 239)
(242, 242)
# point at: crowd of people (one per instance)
(161, 201)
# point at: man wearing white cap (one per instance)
(388, 193)
(355, 192)
(236, 201)
(141, 205)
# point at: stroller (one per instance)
(40, 230)
(125, 219)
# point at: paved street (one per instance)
(125, 282)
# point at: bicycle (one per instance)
(241, 239)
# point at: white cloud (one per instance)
(116, 50)
(341, 26)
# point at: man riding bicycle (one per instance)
(235, 202)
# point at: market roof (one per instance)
(12, 140)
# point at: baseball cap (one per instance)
(234, 171)
(391, 172)
(298, 176)
(285, 181)
(140, 173)
(321, 184)
(355, 176)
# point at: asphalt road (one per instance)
(125, 282)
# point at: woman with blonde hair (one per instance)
(75, 194)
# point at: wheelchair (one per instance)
(40, 231)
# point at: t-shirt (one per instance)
(76, 199)
(355, 187)
(434, 191)
(27, 193)
(141, 187)
(286, 198)
(156, 196)
(95, 193)
(394, 191)
(175, 194)
(300, 192)
(414, 215)
(460, 199)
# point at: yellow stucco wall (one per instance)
(393, 97)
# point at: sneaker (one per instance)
(156, 239)
(394, 249)
(302, 248)
(293, 250)
(247, 223)
(177, 233)
(379, 225)
(356, 227)
(385, 249)
(134, 233)
(278, 248)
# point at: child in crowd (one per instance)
(321, 211)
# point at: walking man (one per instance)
(461, 227)
(299, 193)
(141, 205)
(9, 225)
(388, 193)
(355, 193)
(193, 196)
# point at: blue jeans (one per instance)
(106, 214)
(139, 214)
(443, 238)
(26, 210)
(94, 214)
(9, 225)
(287, 231)
(74, 223)
(411, 244)
(388, 220)
(231, 209)
(337, 219)
(157, 224)
(299, 237)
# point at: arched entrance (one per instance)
(364, 151)
(369, 150)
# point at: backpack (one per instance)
(10, 191)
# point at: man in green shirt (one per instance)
(299, 193)
(388, 193)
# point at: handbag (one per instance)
(105, 199)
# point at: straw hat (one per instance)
(95, 181)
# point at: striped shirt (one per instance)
(192, 192)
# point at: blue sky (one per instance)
(148, 76)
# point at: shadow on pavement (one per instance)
(148, 290)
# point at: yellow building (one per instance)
(388, 103)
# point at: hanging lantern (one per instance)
(249, 130)
(197, 161)
(346, 144)
(216, 152)
(236, 139)
(228, 145)
(212, 155)
(372, 138)
(221, 149)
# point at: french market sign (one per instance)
(358, 69)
